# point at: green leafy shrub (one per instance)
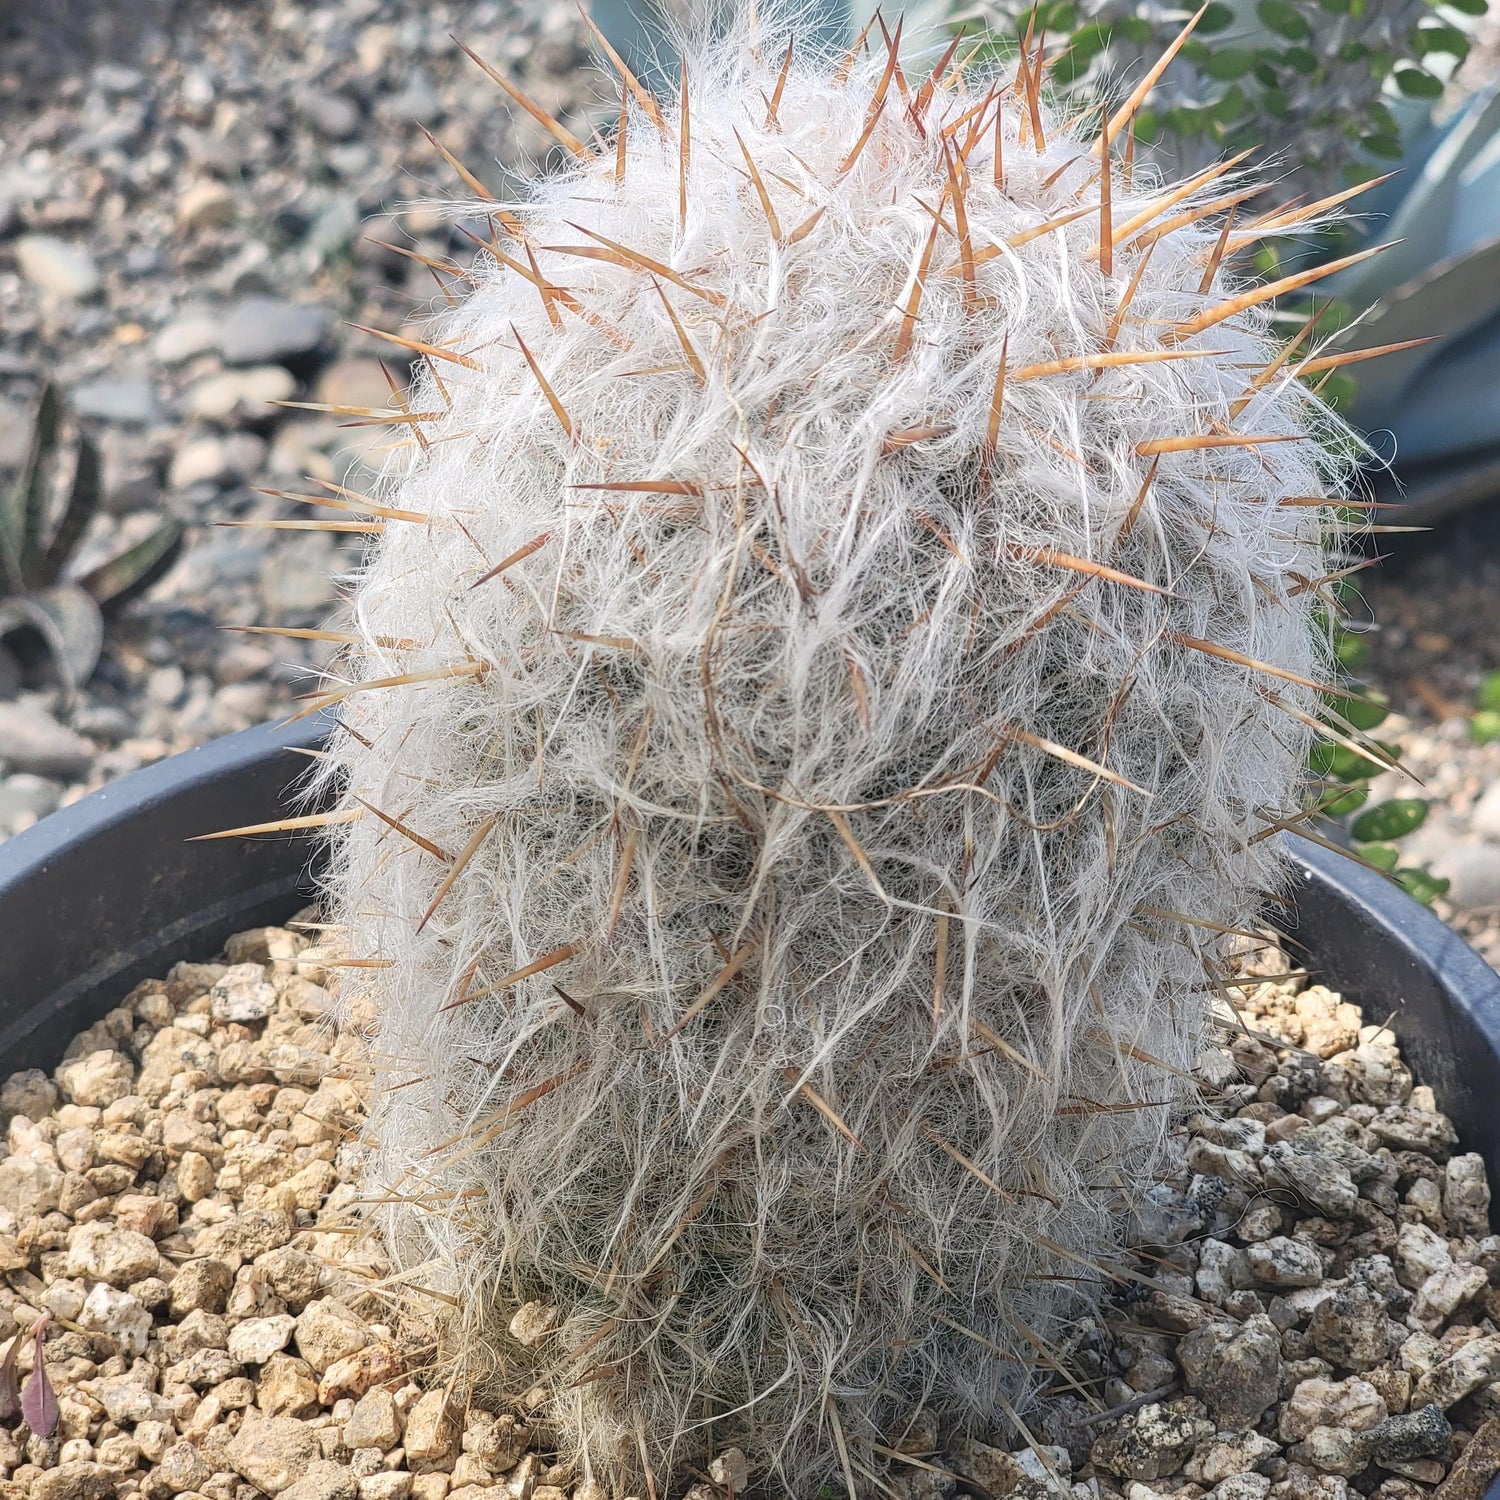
(1484, 727)
(1347, 761)
(1312, 85)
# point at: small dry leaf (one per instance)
(38, 1399)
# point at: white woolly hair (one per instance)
(838, 642)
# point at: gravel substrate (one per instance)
(1315, 1314)
(187, 227)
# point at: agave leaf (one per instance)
(1448, 300)
(1423, 226)
(83, 504)
(1429, 492)
(69, 623)
(1454, 409)
(1476, 215)
(38, 1399)
(130, 574)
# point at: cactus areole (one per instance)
(842, 635)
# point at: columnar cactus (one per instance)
(841, 637)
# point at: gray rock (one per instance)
(1163, 1216)
(1218, 1271)
(244, 454)
(15, 434)
(201, 461)
(1242, 1487)
(1473, 874)
(1485, 818)
(132, 470)
(1377, 1075)
(1152, 1443)
(1418, 1434)
(1466, 1194)
(104, 721)
(243, 994)
(1318, 1179)
(142, 260)
(30, 1093)
(244, 392)
(32, 740)
(417, 100)
(335, 229)
(1235, 1368)
(333, 115)
(266, 330)
(217, 460)
(293, 581)
(26, 797)
(56, 266)
(191, 334)
(115, 78)
(1352, 1327)
(1404, 1127)
(131, 402)
(1282, 1262)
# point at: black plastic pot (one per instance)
(108, 892)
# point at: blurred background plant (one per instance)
(1324, 92)
(47, 621)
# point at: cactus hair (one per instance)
(844, 631)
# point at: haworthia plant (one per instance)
(38, 604)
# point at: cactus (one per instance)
(37, 605)
(840, 632)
